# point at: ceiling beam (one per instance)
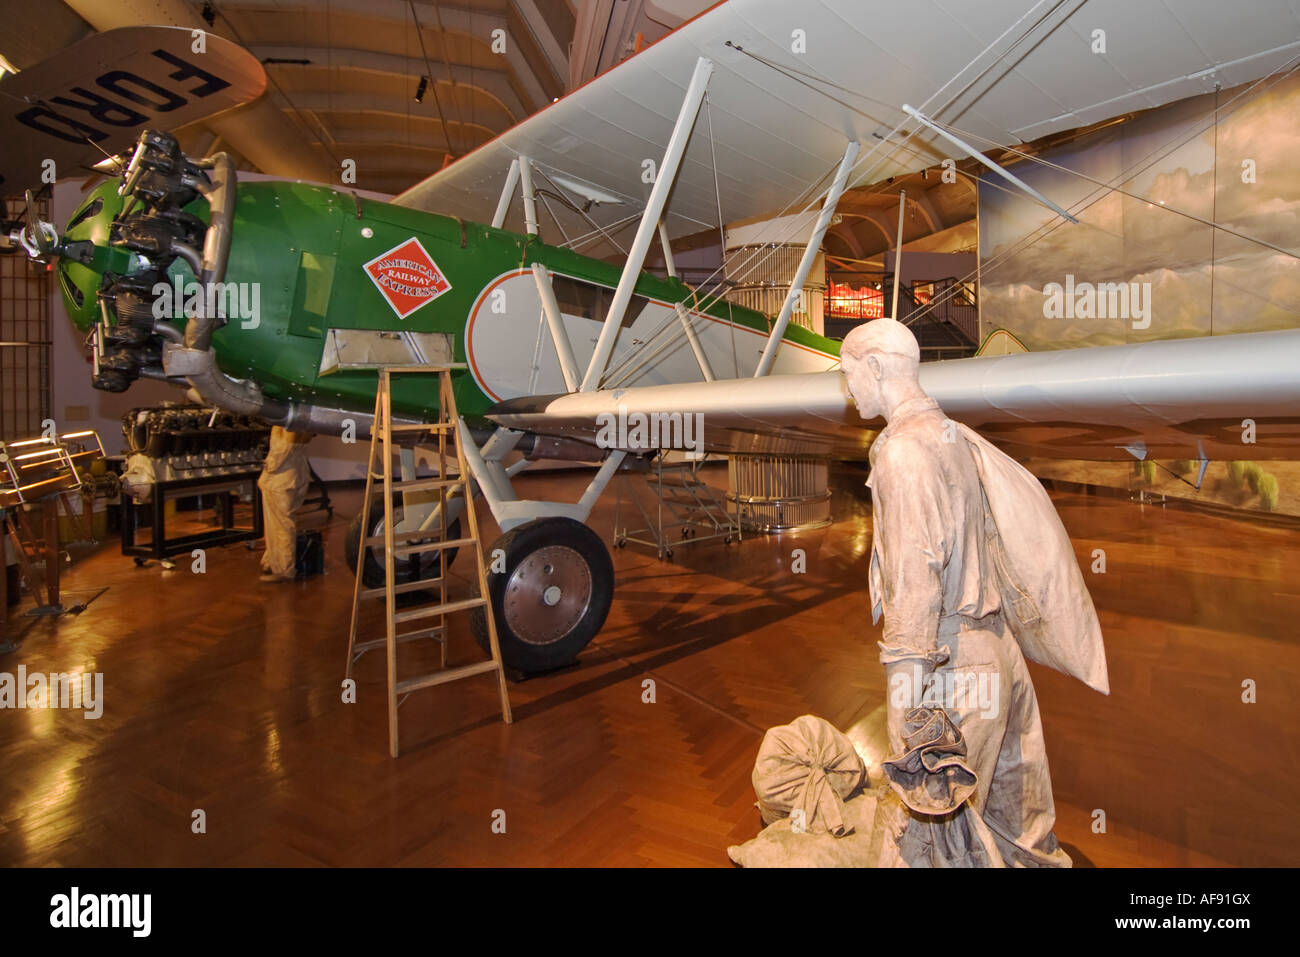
(491, 83)
(370, 104)
(534, 21)
(394, 17)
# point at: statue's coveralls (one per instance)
(932, 578)
(285, 477)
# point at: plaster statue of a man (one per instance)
(969, 564)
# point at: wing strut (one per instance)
(555, 322)
(898, 254)
(684, 317)
(809, 255)
(507, 194)
(530, 198)
(976, 154)
(649, 222)
(521, 175)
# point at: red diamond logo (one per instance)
(407, 277)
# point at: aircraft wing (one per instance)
(1167, 399)
(816, 73)
(94, 97)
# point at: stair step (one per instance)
(441, 677)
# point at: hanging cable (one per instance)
(437, 101)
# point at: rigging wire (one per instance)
(722, 233)
(446, 62)
(302, 120)
(559, 194)
(1123, 192)
(1136, 168)
(419, 33)
(749, 266)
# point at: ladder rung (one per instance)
(434, 632)
(421, 585)
(415, 485)
(407, 536)
(424, 611)
(400, 483)
(424, 427)
(432, 546)
(441, 677)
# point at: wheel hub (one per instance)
(547, 594)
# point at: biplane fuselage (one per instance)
(322, 286)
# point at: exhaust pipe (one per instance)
(210, 386)
(216, 243)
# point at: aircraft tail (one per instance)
(999, 342)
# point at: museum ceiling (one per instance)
(346, 75)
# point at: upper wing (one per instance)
(94, 97)
(1008, 70)
(1181, 398)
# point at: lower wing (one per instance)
(1214, 397)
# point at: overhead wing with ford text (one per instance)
(93, 98)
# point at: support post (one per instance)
(809, 255)
(683, 316)
(530, 198)
(555, 322)
(669, 263)
(649, 221)
(898, 254)
(507, 193)
(597, 485)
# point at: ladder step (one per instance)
(434, 632)
(403, 588)
(425, 611)
(413, 534)
(421, 484)
(423, 427)
(432, 546)
(442, 677)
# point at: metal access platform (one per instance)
(682, 509)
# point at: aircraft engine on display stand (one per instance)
(175, 442)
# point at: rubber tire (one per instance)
(373, 576)
(517, 544)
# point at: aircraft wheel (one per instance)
(408, 569)
(552, 596)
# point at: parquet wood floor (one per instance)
(223, 694)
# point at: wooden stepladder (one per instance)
(384, 446)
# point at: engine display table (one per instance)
(225, 487)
